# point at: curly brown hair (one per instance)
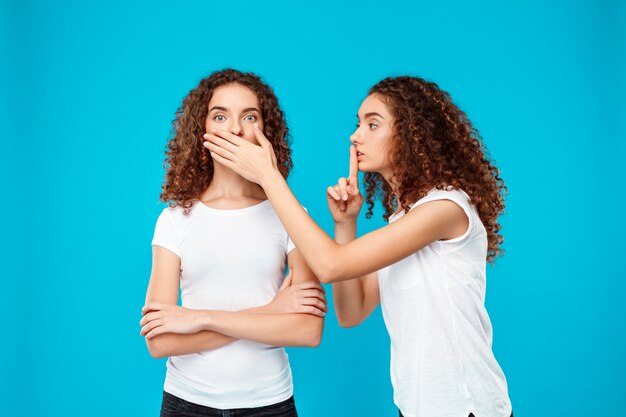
(188, 164)
(434, 145)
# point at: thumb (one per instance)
(287, 281)
(353, 190)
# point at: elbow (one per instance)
(155, 349)
(346, 324)
(315, 339)
(325, 278)
(312, 341)
(347, 321)
(330, 271)
(312, 334)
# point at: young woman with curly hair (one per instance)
(442, 197)
(221, 243)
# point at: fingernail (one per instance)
(206, 136)
(214, 130)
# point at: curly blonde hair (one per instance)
(435, 146)
(188, 164)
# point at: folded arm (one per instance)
(172, 330)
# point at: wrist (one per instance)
(205, 320)
(346, 224)
(270, 178)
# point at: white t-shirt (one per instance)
(442, 364)
(230, 260)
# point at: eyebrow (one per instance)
(370, 114)
(246, 110)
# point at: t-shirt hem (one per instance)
(225, 405)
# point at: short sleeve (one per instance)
(290, 245)
(461, 199)
(166, 234)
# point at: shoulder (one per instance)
(450, 194)
(176, 215)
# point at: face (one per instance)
(236, 109)
(373, 136)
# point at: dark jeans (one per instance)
(174, 406)
(471, 414)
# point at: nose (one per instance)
(355, 138)
(236, 129)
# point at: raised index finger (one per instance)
(354, 167)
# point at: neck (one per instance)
(389, 179)
(227, 184)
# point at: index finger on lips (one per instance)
(354, 167)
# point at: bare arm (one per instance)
(355, 299)
(274, 329)
(163, 288)
(334, 262)
(263, 324)
(329, 260)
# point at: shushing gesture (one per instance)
(344, 198)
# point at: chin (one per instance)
(363, 167)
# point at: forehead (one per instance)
(234, 96)
(374, 104)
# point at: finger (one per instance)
(286, 281)
(221, 152)
(153, 305)
(311, 285)
(315, 302)
(234, 139)
(354, 167)
(159, 330)
(313, 310)
(148, 327)
(343, 183)
(261, 137)
(148, 318)
(223, 161)
(353, 191)
(333, 193)
(222, 143)
(224, 153)
(316, 294)
(320, 305)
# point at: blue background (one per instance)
(88, 95)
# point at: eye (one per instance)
(219, 118)
(250, 118)
(372, 126)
